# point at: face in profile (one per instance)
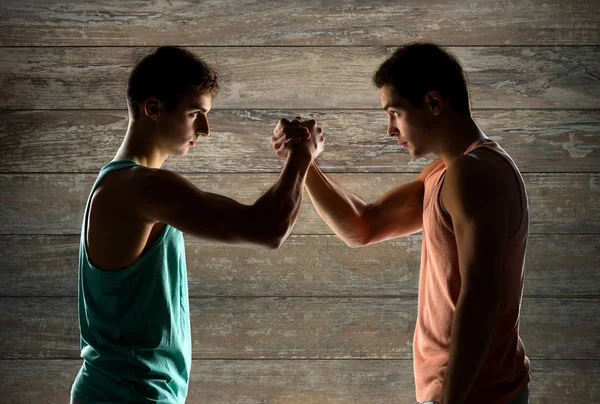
(182, 127)
(410, 125)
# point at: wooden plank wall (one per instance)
(314, 322)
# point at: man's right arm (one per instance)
(398, 212)
(164, 196)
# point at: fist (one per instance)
(297, 134)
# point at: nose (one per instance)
(202, 127)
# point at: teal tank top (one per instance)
(134, 323)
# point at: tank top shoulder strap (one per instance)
(489, 144)
(435, 172)
(486, 143)
(113, 166)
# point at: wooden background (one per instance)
(314, 322)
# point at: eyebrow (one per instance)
(390, 105)
(200, 108)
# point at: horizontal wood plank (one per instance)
(297, 382)
(72, 141)
(54, 203)
(291, 330)
(291, 78)
(301, 328)
(556, 265)
(305, 22)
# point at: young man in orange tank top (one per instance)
(472, 208)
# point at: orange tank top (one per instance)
(506, 368)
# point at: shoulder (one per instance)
(133, 179)
(160, 186)
(472, 183)
(128, 190)
(141, 178)
(474, 170)
(145, 176)
(469, 165)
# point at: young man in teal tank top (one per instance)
(472, 208)
(133, 300)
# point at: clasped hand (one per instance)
(297, 134)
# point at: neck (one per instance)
(140, 145)
(461, 131)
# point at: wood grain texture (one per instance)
(291, 78)
(54, 203)
(306, 22)
(57, 141)
(322, 265)
(297, 382)
(296, 325)
(300, 328)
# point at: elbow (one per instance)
(268, 242)
(269, 229)
(353, 243)
(356, 241)
(273, 237)
(274, 243)
(359, 234)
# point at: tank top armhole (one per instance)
(104, 171)
(443, 215)
(123, 272)
(494, 147)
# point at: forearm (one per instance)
(340, 209)
(473, 328)
(277, 209)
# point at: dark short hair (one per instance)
(169, 73)
(415, 69)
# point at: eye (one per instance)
(393, 113)
(195, 114)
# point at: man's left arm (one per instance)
(476, 197)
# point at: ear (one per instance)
(434, 102)
(152, 108)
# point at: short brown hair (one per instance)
(169, 73)
(417, 68)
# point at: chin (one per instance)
(181, 152)
(417, 154)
